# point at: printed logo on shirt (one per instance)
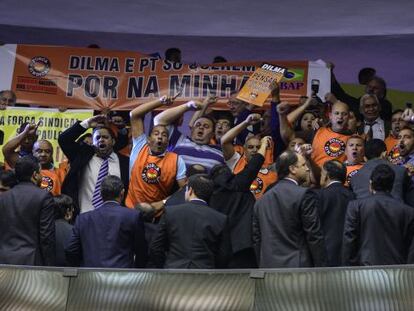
(47, 183)
(334, 147)
(256, 186)
(151, 173)
(350, 175)
(394, 156)
(39, 66)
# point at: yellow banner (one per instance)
(52, 123)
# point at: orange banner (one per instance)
(99, 79)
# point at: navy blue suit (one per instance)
(111, 236)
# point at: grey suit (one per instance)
(27, 226)
(286, 228)
(360, 181)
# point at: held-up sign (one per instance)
(258, 88)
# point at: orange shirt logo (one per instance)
(151, 173)
(257, 185)
(47, 183)
(334, 147)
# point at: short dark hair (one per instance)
(219, 169)
(110, 131)
(8, 178)
(195, 169)
(335, 170)
(208, 117)
(202, 186)
(25, 167)
(382, 178)
(223, 115)
(365, 74)
(63, 204)
(284, 161)
(374, 148)
(111, 187)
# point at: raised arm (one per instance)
(228, 138)
(169, 116)
(286, 132)
(137, 114)
(295, 114)
(9, 149)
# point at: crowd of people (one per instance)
(321, 182)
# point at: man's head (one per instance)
(27, 168)
(333, 170)
(195, 169)
(375, 148)
(173, 55)
(397, 122)
(295, 142)
(339, 116)
(7, 98)
(86, 139)
(158, 139)
(306, 121)
(251, 147)
(377, 86)
(112, 189)
(64, 207)
(369, 107)
(117, 119)
(406, 141)
(43, 151)
(292, 165)
(7, 180)
(199, 186)
(103, 140)
(236, 106)
(224, 122)
(354, 150)
(203, 130)
(382, 178)
(28, 142)
(366, 74)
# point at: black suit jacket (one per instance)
(379, 230)
(191, 236)
(27, 226)
(111, 236)
(332, 203)
(287, 231)
(233, 198)
(79, 155)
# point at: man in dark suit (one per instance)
(86, 161)
(332, 201)
(192, 235)
(287, 231)
(27, 223)
(111, 236)
(379, 229)
(375, 152)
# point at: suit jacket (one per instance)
(287, 231)
(110, 236)
(379, 230)
(332, 203)
(79, 156)
(191, 236)
(63, 232)
(232, 197)
(360, 181)
(27, 226)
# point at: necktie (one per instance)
(370, 133)
(96, 196)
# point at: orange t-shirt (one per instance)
(51, 181)
(152, 177)
(351, 170)
(328, 145)
(264, 178)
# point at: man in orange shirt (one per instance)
(355, 152)
(397, 123)
(237, 161)
(51, 178)
(329, 143)
(154, 171)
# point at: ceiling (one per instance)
(351, 33)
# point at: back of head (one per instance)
(202, 186)
(111, 188)
(285, 160)
(374, 148)
(63, 205)
(335, 170)
(7, 179)
(382, 178)
(25, 167)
